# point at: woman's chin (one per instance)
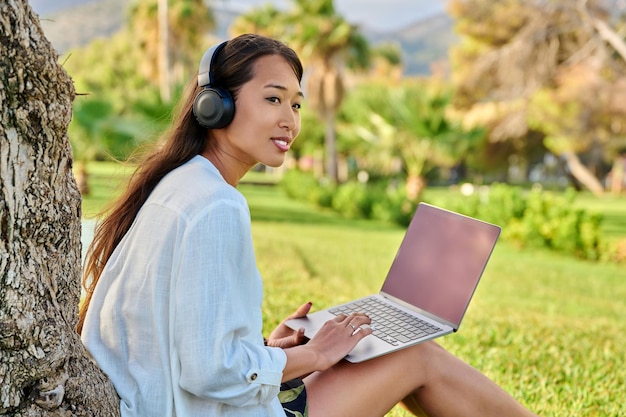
(274, 162)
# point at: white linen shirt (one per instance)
(175, 320)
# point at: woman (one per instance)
(173, 308)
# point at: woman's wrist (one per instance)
(303, 360)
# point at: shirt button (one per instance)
(253, 377)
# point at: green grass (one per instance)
(548, 328)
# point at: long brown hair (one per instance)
(233, 67)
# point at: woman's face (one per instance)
(267, 117)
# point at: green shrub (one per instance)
(322, 195)
(534, 218)
(298, 185)
(392, 205)
(351, 200)
(503, 204)
(551, 221)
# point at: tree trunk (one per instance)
(44, 368)
(326, 91)
(582, 174)
(415, 184)
(82, 177)
(164, 53)
(330, 148)
(617, 174)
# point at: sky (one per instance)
(381, 15)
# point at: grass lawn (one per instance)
(548, 328)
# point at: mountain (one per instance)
(423, 43)
(74, 23)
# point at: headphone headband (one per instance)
(205, 73)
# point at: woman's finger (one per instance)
(357, 319)
(302, 311)
(340, 318)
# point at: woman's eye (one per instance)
(273, 99)
(297, 106)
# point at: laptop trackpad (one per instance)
(311, 323)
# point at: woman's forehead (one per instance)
(274, 68)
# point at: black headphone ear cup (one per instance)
(214, 108)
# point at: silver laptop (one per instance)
(428, 287)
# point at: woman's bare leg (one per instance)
(426, 375)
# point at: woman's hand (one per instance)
(332, 342)
(285, 337)
(337, 337)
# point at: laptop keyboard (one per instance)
(389, 324)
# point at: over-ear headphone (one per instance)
(213, 107)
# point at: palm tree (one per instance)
(115, 107)
(327, 44)
(406, 128)
(387, 62)
(262, 20)
(182, 28)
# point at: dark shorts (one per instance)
(292, 395)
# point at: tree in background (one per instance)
(116, 108)
(44, 368)
(265, 20)
(583, 114)
(168, 35)
(387, 63)
(517, 64)
(97, 132)
(327, 44)
(406, 128)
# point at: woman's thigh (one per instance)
(369, 388)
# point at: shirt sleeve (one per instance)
(218, 319)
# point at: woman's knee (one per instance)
(427, 351)
(427, 358)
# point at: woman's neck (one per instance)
(231, 168)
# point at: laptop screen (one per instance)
(440, 262)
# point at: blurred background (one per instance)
(500, 101)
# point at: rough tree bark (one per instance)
(44, 368)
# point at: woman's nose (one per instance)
(289, 120)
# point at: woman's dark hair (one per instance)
(232, 68)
